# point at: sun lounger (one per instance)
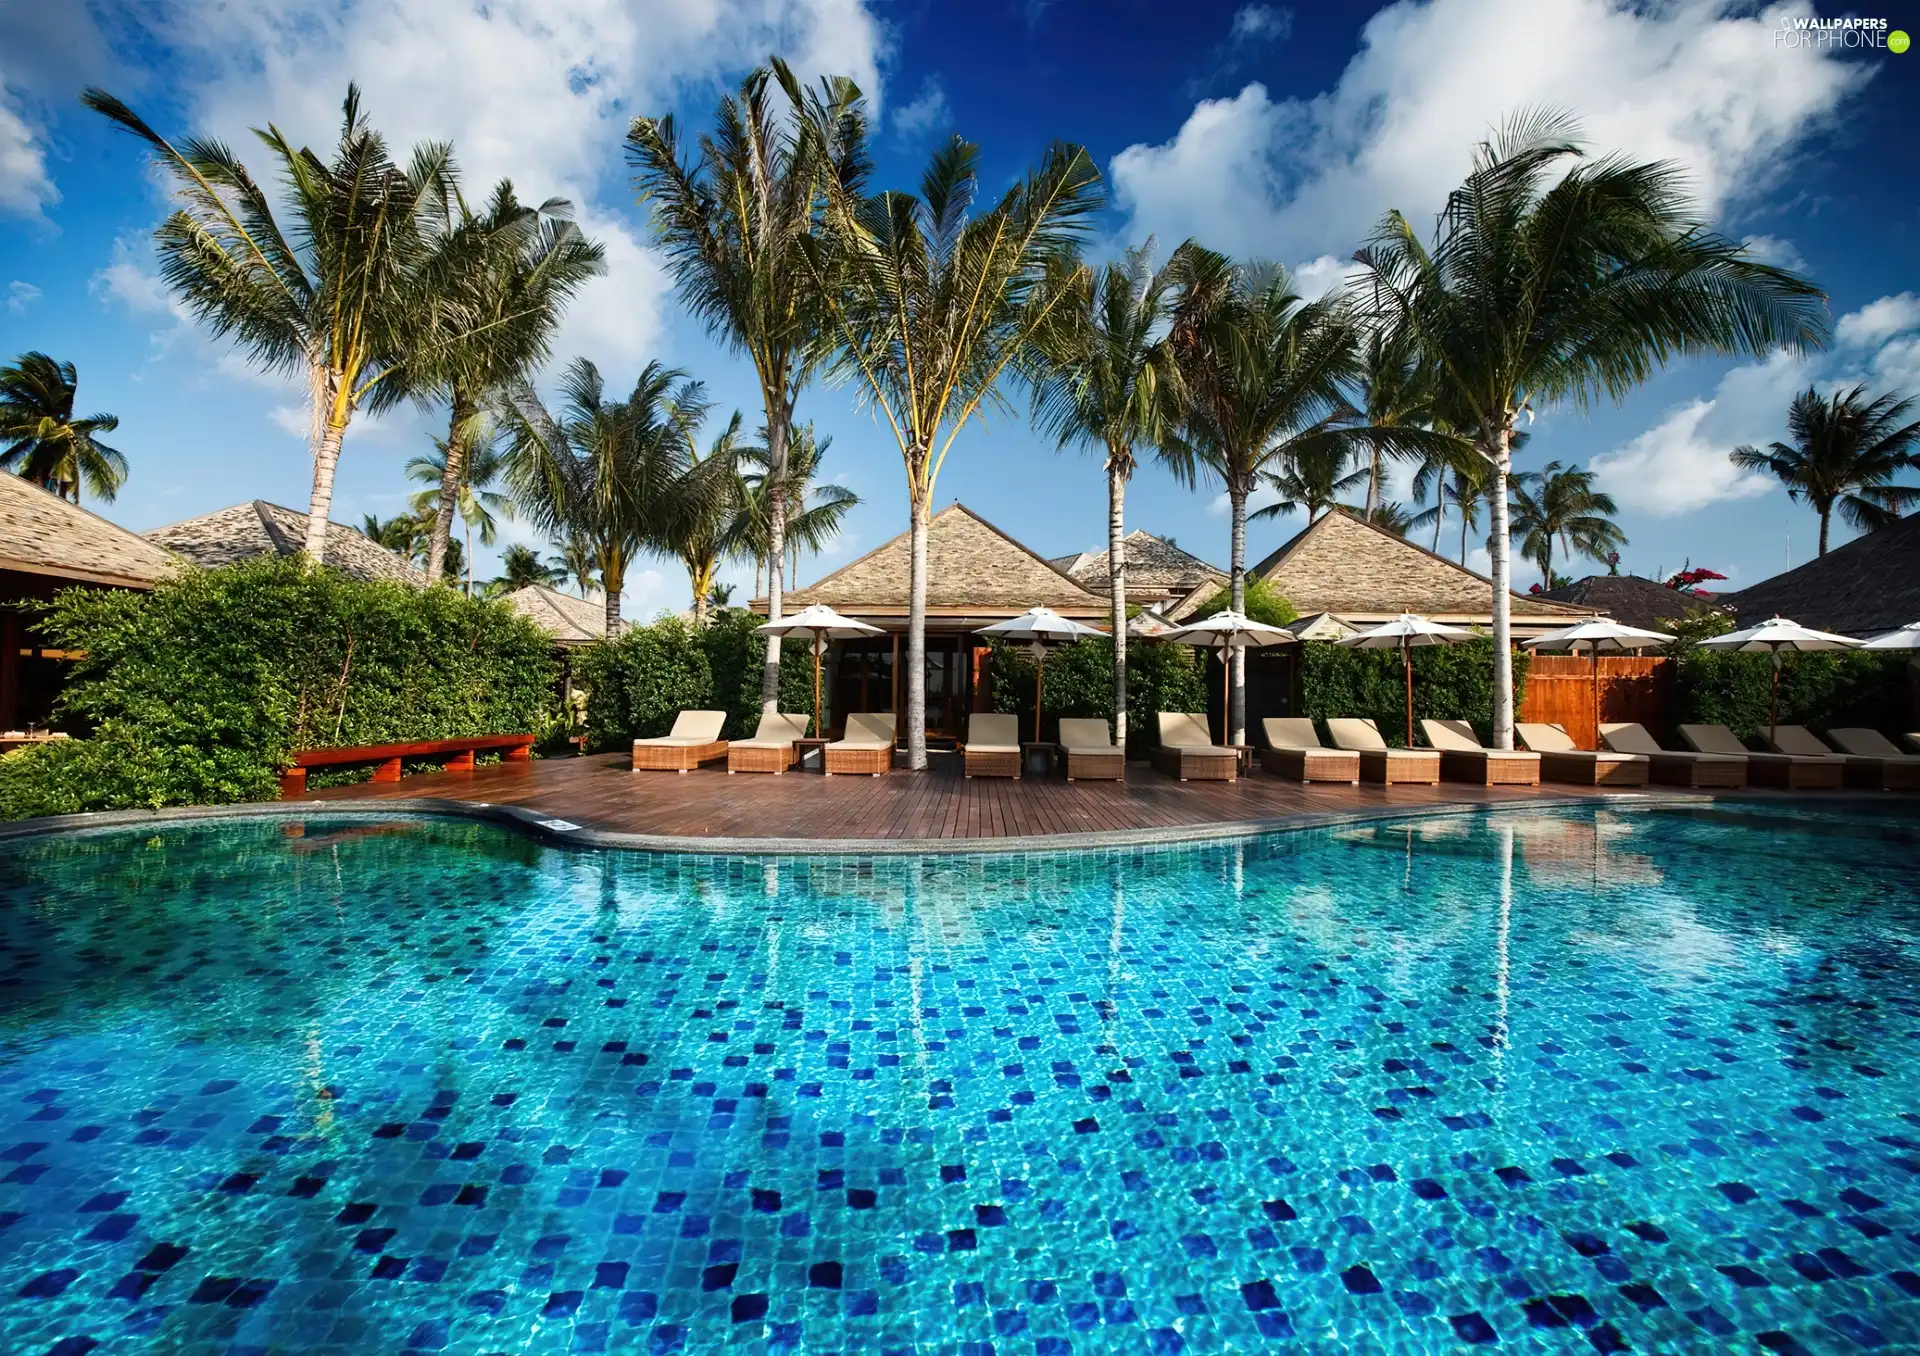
(771, 749)
(1561, 760)
(1860, 768)
(1781, 770)
(1378, 763)
(1088, 752)
(993, 746)
(1294, 750)
(867, 748)
(1186, 750)
(1677, 767)
(694, 739)
(1464, 759)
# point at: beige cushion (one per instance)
(1798, 741)
(1291, 732)
(993, 733)
(691, 727)
(868, 730)
(1866, 743)
(1350, 732)
(1456, 736)
(777, 731)
(1714, 739)
(1629, 737)
(1180, 730)
(1547, 738)
(1081, 735)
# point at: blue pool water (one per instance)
(1548, 1081)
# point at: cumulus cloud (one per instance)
(21, 295)
(1772, 249)
(1698, 83)
(25, 185)
(926, 113)
(126, 281)
(1878, 321)
(1260, 23)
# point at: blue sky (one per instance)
(1260, 129)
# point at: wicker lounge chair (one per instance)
(1186, 750)
(1561, 760)
(867, 749)
(1087, 751)
(1676, 767)
(1378, 763)
(1781, 770)
(694, 739)
(1294, 750)
(1463, 758)
(993, 745)
(771, 749)
(1860, 768)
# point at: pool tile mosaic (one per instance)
(1581, 1081)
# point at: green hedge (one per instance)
(1160, 677)
(638, 682)
(1820, 690)
(1450, 682)
(199, 692)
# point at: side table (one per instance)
(810, 753)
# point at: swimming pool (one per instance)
(1572, 1080)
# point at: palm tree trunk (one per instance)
(326, 457)
(1373, 483)
(1439, 515)
(458, 425)
(613, 574)
(1117, 585)
(915, 678)
(777, 434)
(1236, 713)
(1466, 520)
(1497, 444)
(702, 580)
(1825, 515)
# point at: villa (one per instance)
(248, 531)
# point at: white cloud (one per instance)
(1694, 81)
(123, 278)
(1897, 366)
(296, 420)
(21, 295)
(1878, 321)
(1260, 23)
(926, 113)
(1317, 277)
(25, 186)
(1775, 250)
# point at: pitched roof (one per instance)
(41, 533)
(1154, 566)
(972, 568)
(569, 620)
(1870, 585)
(1630, 600)
(1351, 568)
(247, 531)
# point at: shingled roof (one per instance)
(1630, 600)
(569, 620)
(1343, 565)
(973, 570)
(41, 533)
(1156, 568)
(247, 531)
(1870, 585)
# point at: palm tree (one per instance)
(1314, 480)
(814, 512)
(1107, 381)
(470, 474)
(1396, 405)
(704, 538)
(1555, 278)
(720, 595)
(733, 223)
(613, 474)
(403, 534)
(930, 304)
(43, 441)
(1846, 450)
(1262, 370)
(510, 272)
(1388, 515)
(1560, 504)
(521, 566)
(575, 560)
(341, 297)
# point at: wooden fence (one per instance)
(1632, 687)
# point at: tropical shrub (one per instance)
(1264, 604)
(1450, 682)
(199, 692)
(638, 682)
(1079, 682)
(1819, 690)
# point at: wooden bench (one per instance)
(456, 753)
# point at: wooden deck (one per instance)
(601, 794)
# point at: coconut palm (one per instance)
(611, 473)
(732, 223)
(1261, 369)
(1556, 278)
(400, 534)
(1394, 397)
(704, 536)
(510, 270)
(520, 567)
(1107, 381)
(339, 296)
(1462, 487)
(574, 561)
(1845, 453)
(471, 475)
(1389, 515)
(1314, 480)
(44, 442)
(815, 512)
(930, 304)
(1559, 504)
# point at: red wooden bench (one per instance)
(458, 753)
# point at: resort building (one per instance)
(47, 544)
(247, 531)
(1869, 586)
(573, 622)
(1161, 577)
(1631, 600)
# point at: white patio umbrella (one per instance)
(1039, 627)
(1405, 633)
(1906, 638)
(1594, 635)
(819, 624)
(1773, 637)
(1227, 631)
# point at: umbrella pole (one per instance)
(1406, 668)
(816, 688)
(1596, 696)
(1039, 689)
(1226, 694)
(1773, 703)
